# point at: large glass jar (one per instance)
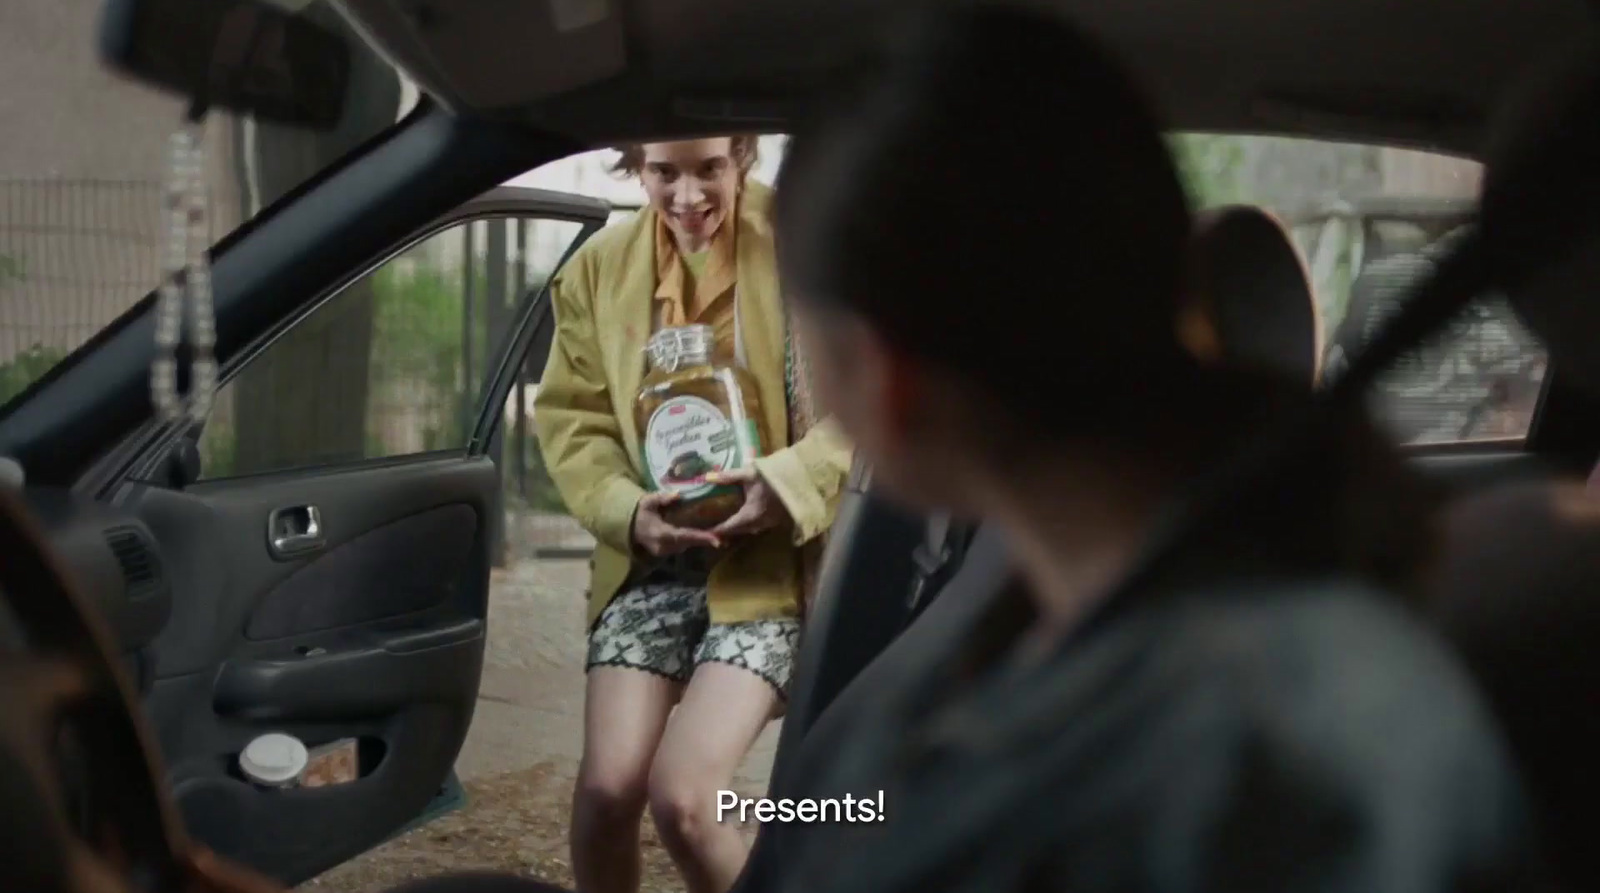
(697, 413)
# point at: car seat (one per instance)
(986, 568)
(1255, 308)
(1253, 288)
(841, 637)
(1518, 593)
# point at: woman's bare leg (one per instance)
(624, 713)
(723, 710)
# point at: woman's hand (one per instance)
(762, 509)
(654, 536)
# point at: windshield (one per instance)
(83, 156)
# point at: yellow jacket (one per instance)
(602, 299)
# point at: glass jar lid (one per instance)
(673, 348)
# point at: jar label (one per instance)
(687, 438)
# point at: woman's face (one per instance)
(691, 184)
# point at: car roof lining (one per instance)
(1413, 72)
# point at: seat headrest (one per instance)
(1518, 593)
(1255, 292)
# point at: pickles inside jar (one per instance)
(697, 414)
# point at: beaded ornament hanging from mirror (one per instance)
(185, 293)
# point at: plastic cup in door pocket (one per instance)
(274, 761)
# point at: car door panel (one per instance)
(112, 557)
(402, 567)
(296, 833)
(1467, 470)
(374, 631)
(362, 673)
(218, 533)
(378, 636)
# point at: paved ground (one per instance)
(520, 756)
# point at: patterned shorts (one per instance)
(665, 628)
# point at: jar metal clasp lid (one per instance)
(673, 348)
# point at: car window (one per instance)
(392, 365)
(1370, 220)
(82, 166)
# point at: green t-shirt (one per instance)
(695, 264)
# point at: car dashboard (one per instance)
(114, 560)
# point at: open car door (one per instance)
(330, 559)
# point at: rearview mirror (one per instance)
(245, 56)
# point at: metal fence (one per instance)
(74, 255)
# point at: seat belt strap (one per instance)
(930, 558)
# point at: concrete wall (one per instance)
(1409, 172)
(82, 159)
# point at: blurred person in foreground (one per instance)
(692, 632)
(1268, 715)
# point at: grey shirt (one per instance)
(1284, 734)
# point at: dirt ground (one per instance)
(521, 754)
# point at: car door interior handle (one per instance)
(294, 531)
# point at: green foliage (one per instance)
(26, 368)
(441, 437)
(416, 328)
(1211, 167)
(418, 322)
(218, 448)
(12, 270)
(540, 492)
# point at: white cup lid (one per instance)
(274, 759)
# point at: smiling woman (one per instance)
(706, 620)
(670, 171)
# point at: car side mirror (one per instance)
(181, 467)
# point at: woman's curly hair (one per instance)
(630, 161)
